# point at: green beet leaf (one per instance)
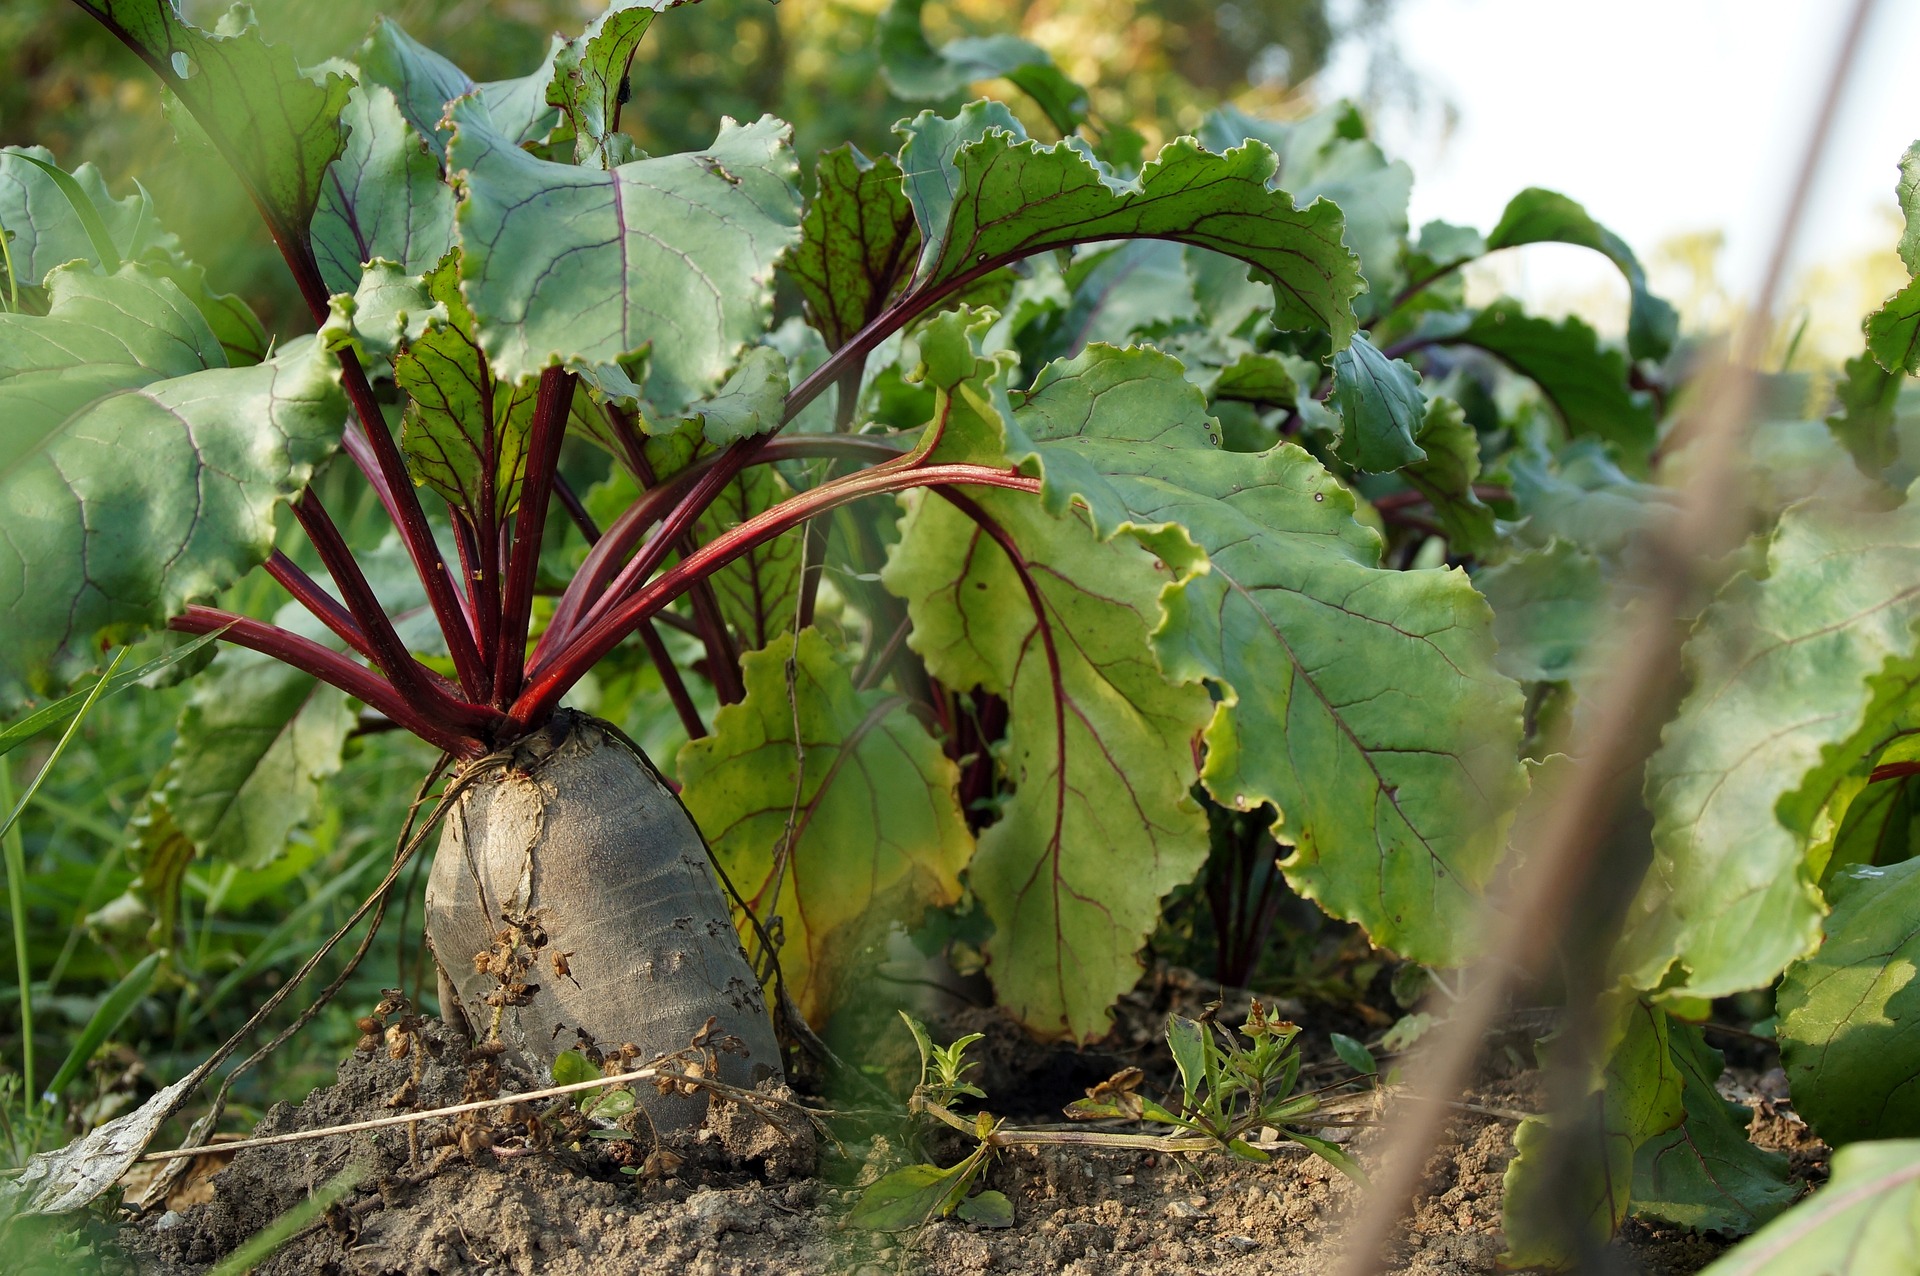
(465, 433)
(1546, 609)
(1862, 1223)
(1705, 1174)
(1381, 408)
(383, 198)
(1781, 680)
(1636, 1096)
(918, 72)
(423, 83)
(858, 242)
(878, 834)
(1848, 1013)
(1893, 331)
(1864, 420)
(278, 128)
(1536, 216)
(566, 265)
(41, 225)
(973, 182)
(255, 744)
(139, 472)
(1445, 476)
(1586, 384)
(590, 79)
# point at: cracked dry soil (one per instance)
(744, 1199)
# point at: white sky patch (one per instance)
(1664, 117)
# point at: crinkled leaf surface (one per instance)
(1863, 424)
(139, 472)
(1907, 192)
(1893, 331)
(1781, 672)
(749, 403)
(1445, 475)
(1849, 1012)
(759, 590)
(423, 82)
(590, 78)
(1381, 408)
(1537, 216)
(985, 195)
(1400, 738)
(67, 1178)
(1329, 154)
(465, 434)
(1637, 1096)
(566, 265)
(877, 830)
(1864, 1222)
(254, 744)
(383, 198)
(918, 72)
(1705, 1174)
(278, 128)
(858, 242)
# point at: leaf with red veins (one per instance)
(878, 834)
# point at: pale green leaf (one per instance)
(1848, 1012)
(878, 834)
(1907, 192)
(973, 181)
(383, 198)
(424, 83)
(590, 79)
(1781, 672)
(1121, 291)
(1381, 408)
(1864, 1222)
(751, 401)
(566, 265)
(388, 310)
(42, 230)
(138, 472)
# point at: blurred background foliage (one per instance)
(1154, 65)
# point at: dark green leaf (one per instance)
(1446, 476)
(1864, 422)
(1586, 385)
(971, 181)
(1862, 1223)
(1848, 1012)
(1536, 216)
(590, 79)
(580, 267)
(1381, 408)
(1893, 332)
(858, 242)
(1354, 1054)
(1706, 1175)
(1331, 1153)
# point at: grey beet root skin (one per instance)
(576, 838)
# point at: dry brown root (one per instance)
(571, 894)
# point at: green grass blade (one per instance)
(16, 860)
(275, 1234)
(115, 1008)
(103, 246)
(51, 716)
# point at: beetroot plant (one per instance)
(991, 522)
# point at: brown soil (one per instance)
(744, 1200)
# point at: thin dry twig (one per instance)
(1632, 698)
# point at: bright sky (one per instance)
(1663, 117)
